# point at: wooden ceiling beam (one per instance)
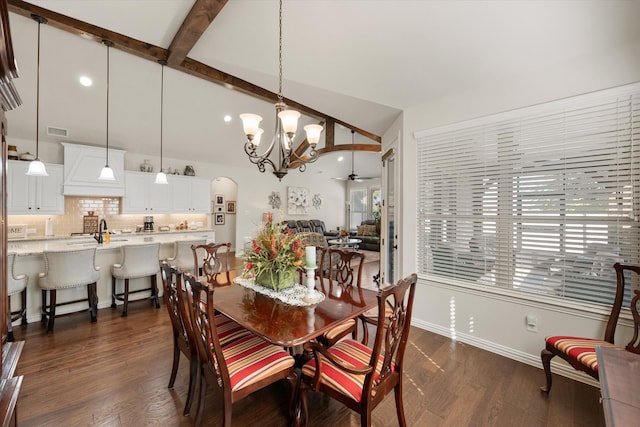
(194, 25)
(155, 53)
(375, 148)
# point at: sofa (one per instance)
(369, 232)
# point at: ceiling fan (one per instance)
(353, 176)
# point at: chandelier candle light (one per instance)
(285, 132)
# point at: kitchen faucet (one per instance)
(98, 236)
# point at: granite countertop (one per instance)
(67, 243)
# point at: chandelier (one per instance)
(285, 131)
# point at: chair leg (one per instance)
(126, 297)
(43, 310)
(92, 297)
(176, 362)
(154, 289)
(193, 379)
(113, 292)
(203, 393)
(52, 310)
(23, 306)
(10, 336)
(399, 405)
(546, 357)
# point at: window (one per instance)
(540, 200)
(358, 207)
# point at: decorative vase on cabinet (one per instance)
(188, 171)
(146, 166)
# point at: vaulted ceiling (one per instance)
(358, 63)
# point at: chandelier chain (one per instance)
(280, 55)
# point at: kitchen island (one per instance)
(30, 261)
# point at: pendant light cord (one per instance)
(109, 44)
(38, 99)
(161, 109)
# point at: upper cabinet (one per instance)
(183, 194)
(34, 194)
(143, 195)
(190, 195)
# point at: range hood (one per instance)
(82, 165)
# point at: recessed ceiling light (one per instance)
(85, 81)
(341, 158)
(227, 118)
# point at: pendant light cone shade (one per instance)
(106, 174)
(161, 177)
(36, 167)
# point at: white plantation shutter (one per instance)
(540, 200)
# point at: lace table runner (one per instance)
(295, 295)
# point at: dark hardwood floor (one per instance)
(115, 373)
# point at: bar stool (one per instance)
(68, 269)
(183, 257)
(16, 285)
(137, 261)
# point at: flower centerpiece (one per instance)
(275, 255)
(343, 235)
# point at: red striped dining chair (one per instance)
(359, 376)
(241, 367)
(580, 352)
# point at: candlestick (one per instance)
(312, 295)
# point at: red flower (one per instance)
(256, 248)
(248, 266)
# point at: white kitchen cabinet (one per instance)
(190, 195)
(34, 194)
(143, 195)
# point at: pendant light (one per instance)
(36, 167)
(106, 174)
(161, 177)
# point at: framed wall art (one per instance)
(219, 199)
(219, 218)
(231, 206)
(298, 201)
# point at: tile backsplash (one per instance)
(76, 207)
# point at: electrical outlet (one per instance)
(532, 323)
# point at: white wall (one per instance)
(497, 323)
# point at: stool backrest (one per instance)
(183, 258)
(68, 269)
(15, 282)
(140, 260)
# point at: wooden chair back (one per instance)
(345, 266)
(216, 264)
